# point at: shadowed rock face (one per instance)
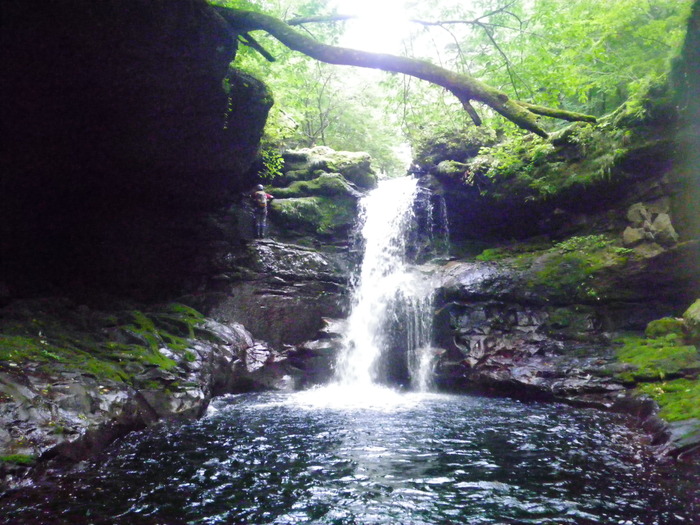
(280, 292)
(119, 133)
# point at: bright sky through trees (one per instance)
(380, 27)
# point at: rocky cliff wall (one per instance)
(123, 129)
(592, 256)
(127, 143)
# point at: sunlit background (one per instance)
(380, 26)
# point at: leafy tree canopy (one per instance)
(575, 55)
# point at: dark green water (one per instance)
(325, 457)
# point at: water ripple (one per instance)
(310, 458)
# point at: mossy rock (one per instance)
(664, 327)
(327, 185)
(354, 166)
(305, 164)
(318, 215)
(658, 359)
(679, 399)
(452, 168)
(573, 268)
(116, 348)
(18, 459)
(691, 318)
(453, 145)
(293, 175)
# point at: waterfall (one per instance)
(388, 334)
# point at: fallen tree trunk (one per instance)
(465, 87)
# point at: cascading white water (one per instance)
(392, 301)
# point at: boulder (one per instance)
(663, 231)
(632, 237)
(637, 214)
(327, 185)
(304, 164)
(321, 216)
(691, 318)
(451, 168)
(665, 326)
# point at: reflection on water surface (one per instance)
(327, 456)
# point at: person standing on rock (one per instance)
(260, 201)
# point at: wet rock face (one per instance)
(526, 350)
(57, 400)
(280, 292)
(125, 125)
(517, 330)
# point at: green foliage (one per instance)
(570, 54)
(18, 459)
(493, 254)
(526, 168)
(517, 156)
(584, 243)
(318, 104)
(679, 399)
(272, 162)
(523, 250)
(562, 53)
(657, 359)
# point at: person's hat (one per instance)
(259, 187)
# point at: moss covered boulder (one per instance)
(318, 194)
(326, 185)
(318, 215)
(691, 318)
(309, 163)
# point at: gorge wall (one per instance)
(576, 261)
(127, 149)
(126, 129)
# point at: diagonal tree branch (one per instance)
(463, 86)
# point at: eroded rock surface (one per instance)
(280, 292)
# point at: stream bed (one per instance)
(337, 456)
